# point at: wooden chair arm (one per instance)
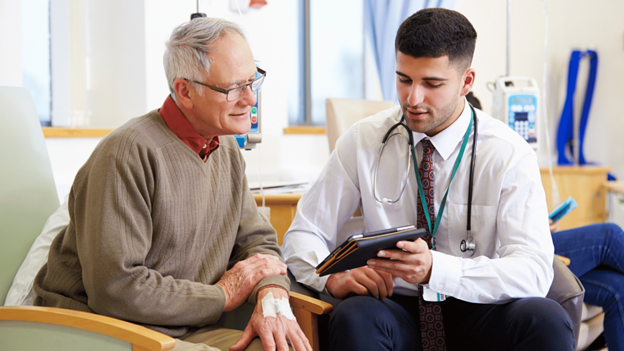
(614, 187)
(140, 337)
(307, 310)
(309, 304)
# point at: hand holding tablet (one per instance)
(358, 249)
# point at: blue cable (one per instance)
(589, 95)
(565, 131)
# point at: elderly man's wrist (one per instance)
(273, 286)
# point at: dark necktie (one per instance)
(431, 325)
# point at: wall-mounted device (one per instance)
(249, 140)
(516, 103)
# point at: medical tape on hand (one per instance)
(271, 307)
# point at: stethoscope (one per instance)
(466, 245)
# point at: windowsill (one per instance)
(304, 130)
(55, 132)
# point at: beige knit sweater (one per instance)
(152, 229)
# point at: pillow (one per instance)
(21, 292)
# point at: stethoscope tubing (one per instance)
(472, 166)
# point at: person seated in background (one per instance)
(163, 230)
(596, 254)
(492, 300)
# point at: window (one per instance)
(36, 55)
(329, 57)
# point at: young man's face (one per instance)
(430, 91)
(232, 65)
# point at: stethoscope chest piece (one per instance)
(469, 244)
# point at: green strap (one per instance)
(423, 201)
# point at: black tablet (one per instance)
(358, 249)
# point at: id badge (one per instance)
(432, 296)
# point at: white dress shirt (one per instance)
(514, 250)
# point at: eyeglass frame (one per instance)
(242, 88)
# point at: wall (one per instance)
(11, 43)
(142, 87)
(572, 24)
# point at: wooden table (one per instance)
(586, 185)
(283, 209)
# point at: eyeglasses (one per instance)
(234, 94)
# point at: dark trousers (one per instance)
(366, 323)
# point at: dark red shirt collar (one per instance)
(182, 128)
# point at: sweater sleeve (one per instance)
(112, 211)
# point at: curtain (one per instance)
(382, 19)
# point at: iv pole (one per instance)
(508, 69)
(197, 14)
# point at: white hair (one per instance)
(186, 55)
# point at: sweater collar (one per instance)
(182, 128)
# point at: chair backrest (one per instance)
(27, 190)
(343, 113)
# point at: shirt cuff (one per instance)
(445, 273)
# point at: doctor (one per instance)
(492, 300)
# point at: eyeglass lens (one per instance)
(236, 93)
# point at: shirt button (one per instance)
(204, 146)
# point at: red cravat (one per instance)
(431, 325)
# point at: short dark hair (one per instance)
(437, 32)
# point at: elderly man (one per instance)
(163, 229)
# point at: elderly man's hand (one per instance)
(238, 282)
(412, 262)
(273, 331)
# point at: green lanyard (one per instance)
(423, 201)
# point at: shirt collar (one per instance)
(447, 140)
(182, 128)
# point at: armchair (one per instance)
(27, 198)
(342, 113)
